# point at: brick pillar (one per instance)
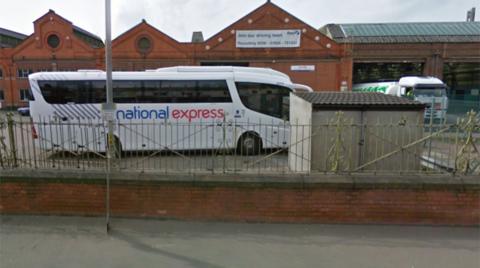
(434, 66)
(346, 73)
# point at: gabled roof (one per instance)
(138, 25)
(358, 100)
(10, 38)
(409, 32)
(259, 10)
(91, 39)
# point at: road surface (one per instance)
(41, 241)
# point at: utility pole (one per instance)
(108, 108)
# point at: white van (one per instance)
(175, 108)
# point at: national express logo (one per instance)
(190, 114)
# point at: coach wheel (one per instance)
(249, 144)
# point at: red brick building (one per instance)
(447, 50)
(145, 47)
(55, 45)
(320, 59)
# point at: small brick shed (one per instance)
(369, 126)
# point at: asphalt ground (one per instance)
(52, 241)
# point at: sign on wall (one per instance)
(268, 38)
(302, 68)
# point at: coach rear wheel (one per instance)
(249, 144)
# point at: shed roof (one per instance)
(408, 32)
(359, 100)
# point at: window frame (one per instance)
(24, 71)
(28, 95)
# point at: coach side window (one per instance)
(62, 92)
(180, 91)
(213, 91)
(98, 92)
(135, 91)
(127, 91)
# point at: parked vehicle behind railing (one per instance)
(428, 90)
(159, 99)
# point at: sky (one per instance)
(179, 18)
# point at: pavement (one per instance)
(53, 241)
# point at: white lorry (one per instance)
(428, 90)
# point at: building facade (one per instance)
(55, 45)
(322, 59)
(449, 51)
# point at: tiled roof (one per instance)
(421, 32)
(358, 100)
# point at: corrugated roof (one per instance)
(10, 38)
(88, 37)
(13, 34)
(420, 32)
(406, 29)
(359, 100)
(411, 39)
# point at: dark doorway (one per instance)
(463, 79)
(384, 71)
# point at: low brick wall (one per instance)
(323, 199)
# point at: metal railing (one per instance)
(336, 146)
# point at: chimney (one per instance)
(197, 37)
(471, 14)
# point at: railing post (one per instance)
(431, 128)
(2, 143)
(224, 143)
(336, 154)
(11, 138)
(465, 156)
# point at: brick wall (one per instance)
(317, 202)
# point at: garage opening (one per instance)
(384, 71)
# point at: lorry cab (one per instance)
(428, 90)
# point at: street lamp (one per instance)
(108, 108)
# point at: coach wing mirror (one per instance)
(402, 91)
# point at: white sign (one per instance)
(302, 68)
(268, 38)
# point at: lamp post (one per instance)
(108, 108)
